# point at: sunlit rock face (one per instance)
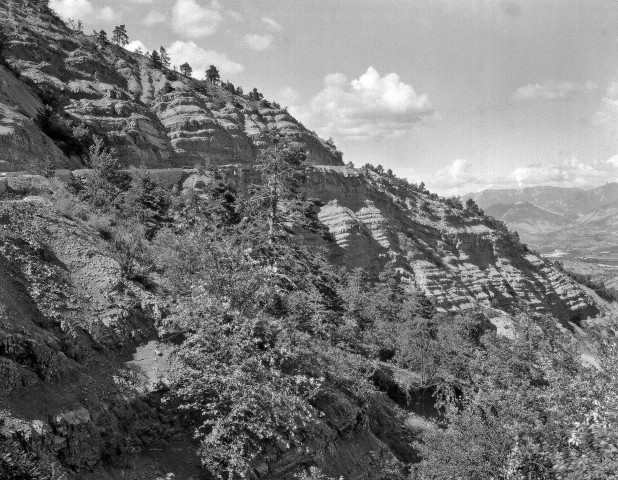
(459, 259)
(152, 117)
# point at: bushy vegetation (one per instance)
(263, 324)
(596, 284)
(17, 463)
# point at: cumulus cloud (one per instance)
(370, 107)
(461, 177)
(607, 115)
(193, 20)
(458, 178)
(83, 10)
(272, 24)
(553, 90)
(200, 59)
(566, 173)
(258, 42)
(72, 8)
(135, 45)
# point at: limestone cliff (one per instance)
(459, 258)
(152, 116)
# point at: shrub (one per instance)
(16, 463)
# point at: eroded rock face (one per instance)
(152, 117)
(21, 140)
(459, 259)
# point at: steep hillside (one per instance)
(457, 257)
(151, 116)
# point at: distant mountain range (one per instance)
(569, 222)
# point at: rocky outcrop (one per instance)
(151, 116)
(459, 259)
(21, 141)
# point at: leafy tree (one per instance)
(167, 88)
(107, 180)
(156, 59)
(212, 74)
(145, 201)
(282, 168)
(164, 57)
(239, 91)
(472, 207)
(255, 95)
(75, 25)
(120, 36)
(528, 410)
(101, 36)
(186, 69)
(229, 86)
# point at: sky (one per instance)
(461, 94)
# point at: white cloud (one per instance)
(613, 161)
(457, 178)
(153, 17)
(134, 45)
(83, 10)
(76, 9)
(272, 24)
(461, 177)
(553, 90)
(370, 107)
(193, 20)
(258, 42)
(566, 173)
(607, 114)
(200, 59)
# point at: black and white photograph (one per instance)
(308, 239)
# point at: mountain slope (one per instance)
(526, 217)
(584, 225)
(568, 202)
(459, 259)
(151, 116)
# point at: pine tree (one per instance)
(120, 36)
(102, 36)
(165, 58)
(186, 69)
(212, 74)
(156, 59)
